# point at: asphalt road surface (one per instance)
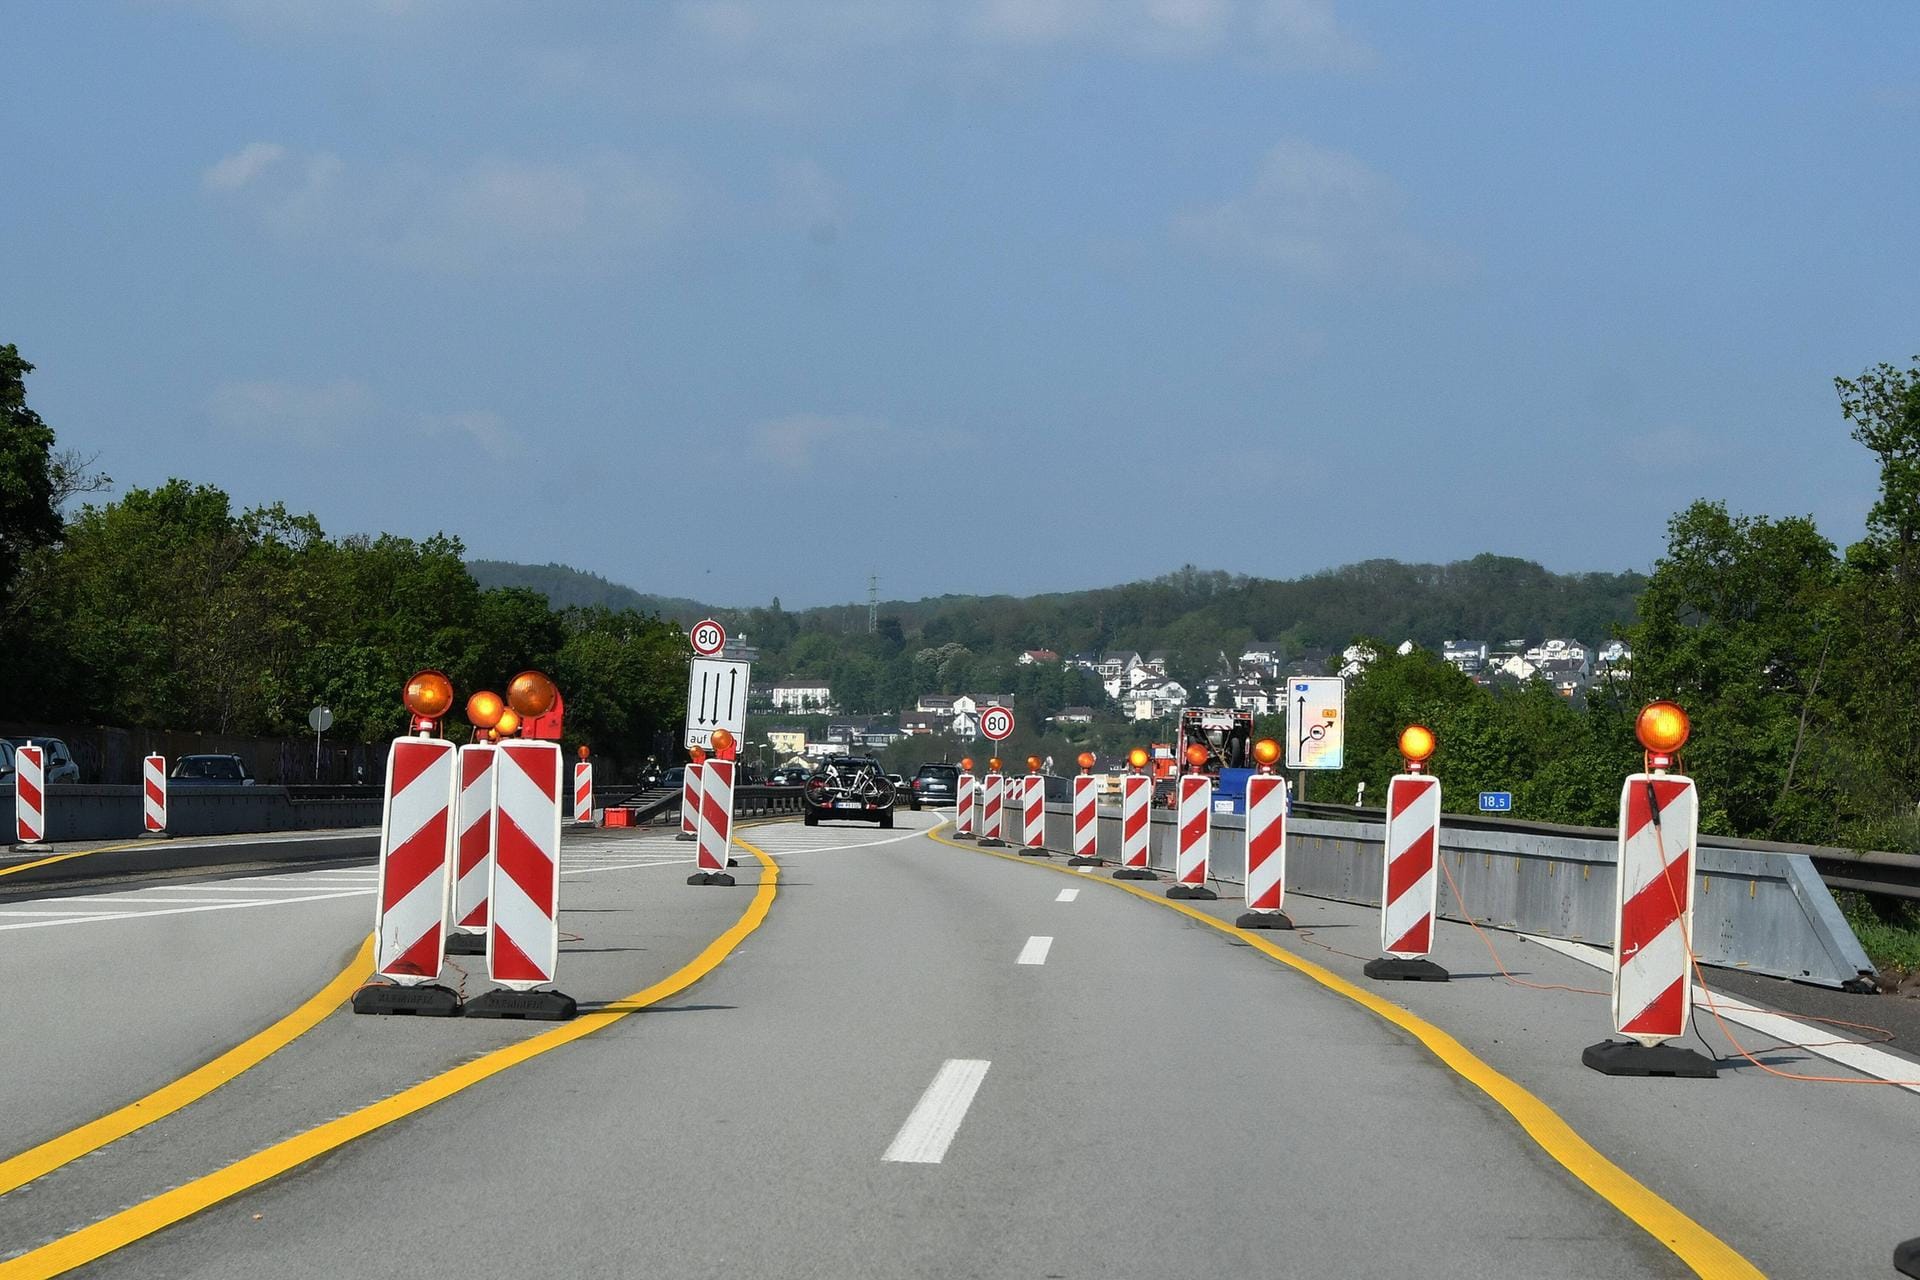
(923, 1060)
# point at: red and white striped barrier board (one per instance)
(1086, 825)
(524, 897)
(1033, 811)
(690, 801)
(1410, 878)
(963, 801)
(1266, 842)
(153, 793)
(1196, 829)
(583, 792)
(29, 795)
(1136, 796)
(991, 818)
(1652, 973)
(416, 857)
(473, 859)
(716, 814)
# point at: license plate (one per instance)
(849, 804)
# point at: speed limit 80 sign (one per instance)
(996, 723)
(708, 637)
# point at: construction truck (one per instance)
(1228, 737)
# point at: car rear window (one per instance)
(939, 771)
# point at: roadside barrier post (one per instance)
(1410, 871)
(690, 802)
(964, 787)
(29, 797)
(1266, 843)
(153, 795)
(1194, 817)
(473, 856)
(416, 859)
(1653, 911)
(1086, 819)
(1136, 798)
(1033, 815)
(716, 824)
(583, 792)
(523, 946)
(992, 818)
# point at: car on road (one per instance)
(848, 787)
(58, 761)
(937, 784)
(210, 771)
(788, 776)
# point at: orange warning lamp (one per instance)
(699, 755)
(993, 765)
(966, 764)
(484, 708)
(1086, 762)
(428, 694)
(722, 744)
(1033, 764)
(1197, 756)
(584, 751)
(1416, 745)
(531, 694)
(1663, 728)
(1137, 758)
(1266, 753)
(509, 723)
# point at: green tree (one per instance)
(29, 515)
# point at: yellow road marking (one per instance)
(1707, 1254)
(94, 1242)
(62, 857)
(190, 1088)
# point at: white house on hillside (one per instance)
(802, 695)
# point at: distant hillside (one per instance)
(567, 588)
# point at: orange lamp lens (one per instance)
(699, 755)
(1033, 764)
(1137, 757)
(994, 764)
(1416, 742)
(509, 723)
(429, 694)
(531, 694)
(484, 708)
(585, 751)
(1196, 755)
(1266, 751)
(966, 763)
(722, 742)
(1663, 728)
(1086, 760)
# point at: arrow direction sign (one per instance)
(1316, 722)
(717, 699)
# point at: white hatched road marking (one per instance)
(1067, 895)
(1035, 952)
(936, 1118)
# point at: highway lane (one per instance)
(1154, 1102)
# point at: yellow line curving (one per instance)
(1707, 1254)
(196, 1084)
(122, 1229)
(62, 857)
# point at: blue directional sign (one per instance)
(1496, 801)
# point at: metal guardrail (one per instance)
(660, 805)
(1757, 907)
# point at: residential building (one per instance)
(1156, 699)
(1118, 664)
(1073, 715)
(1467, 655)
(1250, 695)
(940, 703)
(1157, 662)
(1262, 659)
(1356, 658)
(922, 723)
(1084, 661)
(1613, 662)
(1036, 657)
(802, 695)
(1558, 652)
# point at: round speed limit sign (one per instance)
(996, 723)
(708, 637)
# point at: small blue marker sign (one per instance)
(1496, 801)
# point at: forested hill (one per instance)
(1193, 614)
(567, 588)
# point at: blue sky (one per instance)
(739, 298)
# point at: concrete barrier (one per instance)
(78, 811)
(1765, 910)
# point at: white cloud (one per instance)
(1319, 215)
(230, 173)
(492, 212)
(799, 440)
(315, 416)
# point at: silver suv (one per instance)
(59, 762)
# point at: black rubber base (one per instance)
(733, 862)
(1631, 1058)
(1133, 873)
(1035, 853)
(1077, 861)
(992, 844)
(156, 835)
(711, 877)
(685, 835)
(527, 1006)
(430, 1001)
(466, 944)
(964, 835)
(1906, 1258)
(1197, 892)
(1263, 920)
(1395, 969)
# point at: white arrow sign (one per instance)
(717, 699)
(1316, 722)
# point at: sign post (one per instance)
(320, 719)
